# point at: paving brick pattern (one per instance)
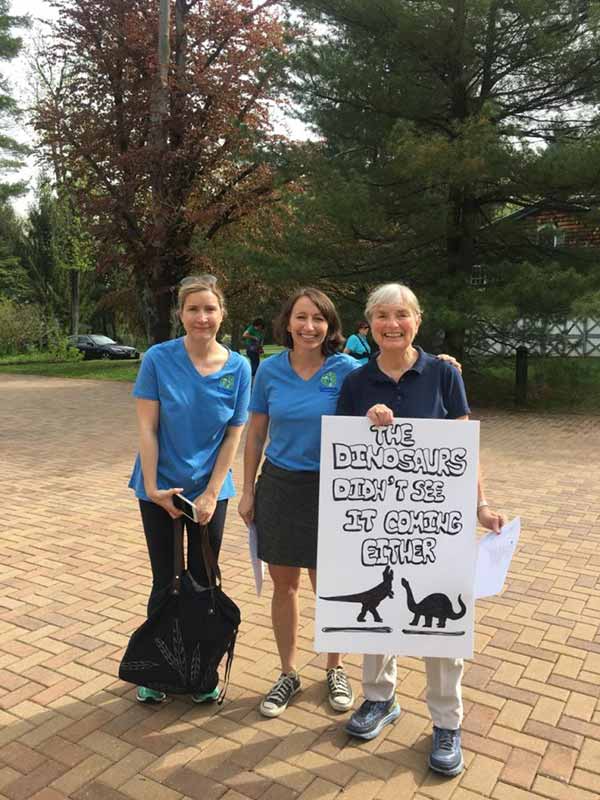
(74, 579)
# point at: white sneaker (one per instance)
(341, 696)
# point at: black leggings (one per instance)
(254, 358)
(158, 527)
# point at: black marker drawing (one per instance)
(434, 605)
(433, 633)
(369, 599)
(378, 629)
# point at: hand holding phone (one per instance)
(186, 507)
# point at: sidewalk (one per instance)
(74, 580)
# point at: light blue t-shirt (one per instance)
(295, 407)
(195, 412)
(360, 345)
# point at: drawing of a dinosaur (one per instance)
(434, 605)
(371, 598)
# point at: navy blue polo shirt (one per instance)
(430, 389)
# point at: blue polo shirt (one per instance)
(430, 389)
(194, 414)
(295, 407)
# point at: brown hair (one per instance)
(333, 339)
(200, 283)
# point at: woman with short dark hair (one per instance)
(254, 337)
(292, 391)
(358, 345)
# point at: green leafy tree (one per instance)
(163, 149)
(436, 117)
(11, 151)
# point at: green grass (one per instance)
(95, 370)
(271, 350)
(568, 385)
(99, 370)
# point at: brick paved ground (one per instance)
(73, 585)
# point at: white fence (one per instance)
(572, 337)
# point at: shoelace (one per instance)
(338, 682)
(446, 740)
(282, 690)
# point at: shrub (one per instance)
(21, 327)
(26, 334)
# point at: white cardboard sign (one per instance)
(397, 547)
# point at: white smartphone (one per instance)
(183, 504)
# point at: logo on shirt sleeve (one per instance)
(328, 382)
(227, 383)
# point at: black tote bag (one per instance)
(179, 647)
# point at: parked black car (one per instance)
(95, 345)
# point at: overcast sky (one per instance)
(16, 72)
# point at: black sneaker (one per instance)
(373, 715)
(446, 755)
(341, 696)
(276, 701)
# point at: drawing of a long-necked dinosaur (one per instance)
(434, 605)
(370, 598)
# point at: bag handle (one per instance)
(178, 564)
(213, 572)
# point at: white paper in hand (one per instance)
(494, 555)
(257, 565)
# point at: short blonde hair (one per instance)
(392, 293)
(200, 283)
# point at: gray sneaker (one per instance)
(276, 701)
(446, 755)
(373, 715)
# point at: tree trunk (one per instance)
(460, 229)
(154, 281)
(75, 282)
(236, 334)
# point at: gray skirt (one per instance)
(286, 513)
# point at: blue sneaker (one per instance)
(373, 715)
(145, 695)
(206, 697)
(446, 755)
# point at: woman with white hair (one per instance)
(404, 381)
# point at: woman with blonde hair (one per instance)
(191, 402)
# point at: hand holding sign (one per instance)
(397, 516)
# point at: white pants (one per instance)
(444, 696)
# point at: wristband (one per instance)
(483, 504)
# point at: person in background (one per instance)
(192, 398)
(254, 337)
(358, 345)
(292, 391)
(404, 381)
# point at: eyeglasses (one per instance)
(207, 280)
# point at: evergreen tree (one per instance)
(11, 152)
(436, 117)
